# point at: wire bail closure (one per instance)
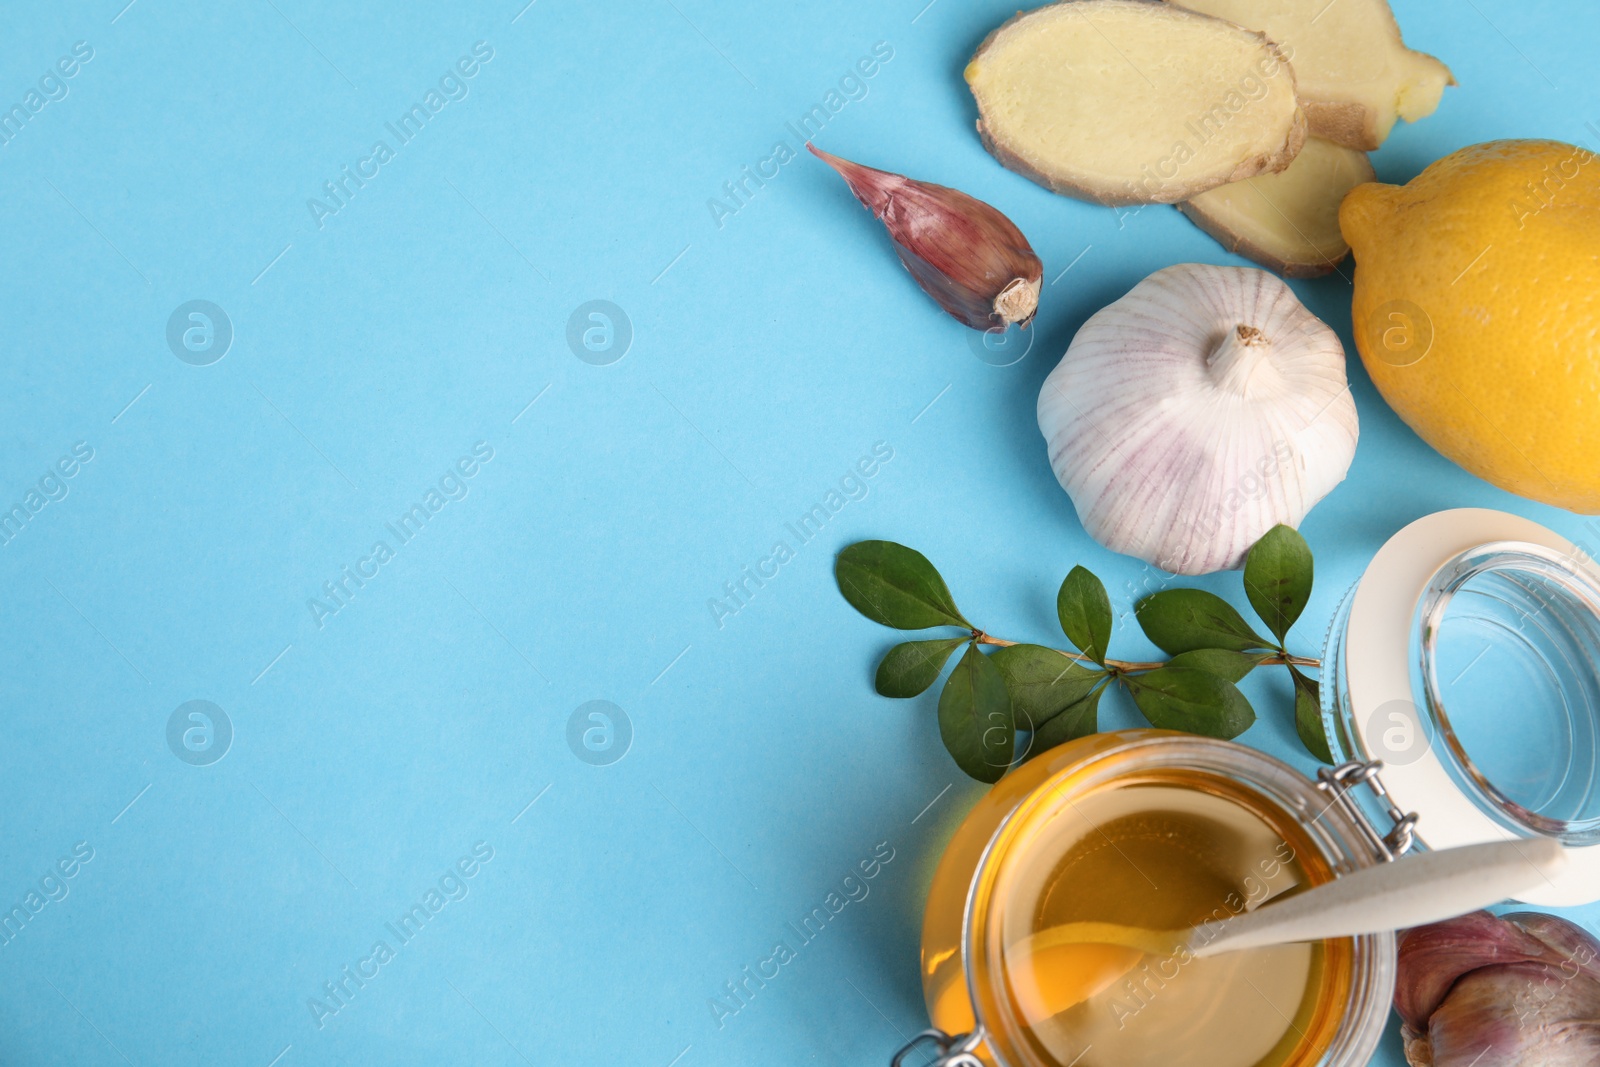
(959, 1050)
(1339, 781)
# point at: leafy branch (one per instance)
(1054, 694)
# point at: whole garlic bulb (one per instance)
(1197, 412)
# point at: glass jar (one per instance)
(1467, 660)
(986, 893)
(1511, 751)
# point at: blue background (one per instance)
(373, 750)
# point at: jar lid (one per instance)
(1512, 750)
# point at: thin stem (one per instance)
(1122, 666)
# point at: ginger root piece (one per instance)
(1133, 101)
(1355, 74)
(1287, 222)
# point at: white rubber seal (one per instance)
(1378, 676)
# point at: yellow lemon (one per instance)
(1477, 311)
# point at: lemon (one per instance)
(1477, 311)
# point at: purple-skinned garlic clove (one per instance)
(1433, 957)
(964, 253)
(1517, 1015)
(1521, 990)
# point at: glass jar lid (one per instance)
(1467, 659)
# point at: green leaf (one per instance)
(911, 666)
(1308, 716)
(975, 717)
(1178, 698)
(1042, 682)
(1230, 666)
(1277, 577)
(896, 586)
(1072, 722)
(1085, 613)
(1182, 620)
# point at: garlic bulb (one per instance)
(1197, 412)
(1519, 990)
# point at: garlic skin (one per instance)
(1521, 990)
(1197, 412)
(964, 253)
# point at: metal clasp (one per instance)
(1339, 781)
(957, 1051)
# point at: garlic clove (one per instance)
(1197, 412)
(1572, 941)
(1514, 1015)
(1521, 990)
(1433, 957)
(964, 253)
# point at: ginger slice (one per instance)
(1355, 74)
(1133, 102)
(1287, 222)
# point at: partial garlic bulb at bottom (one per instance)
(1518, 990)
(1197, 412)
